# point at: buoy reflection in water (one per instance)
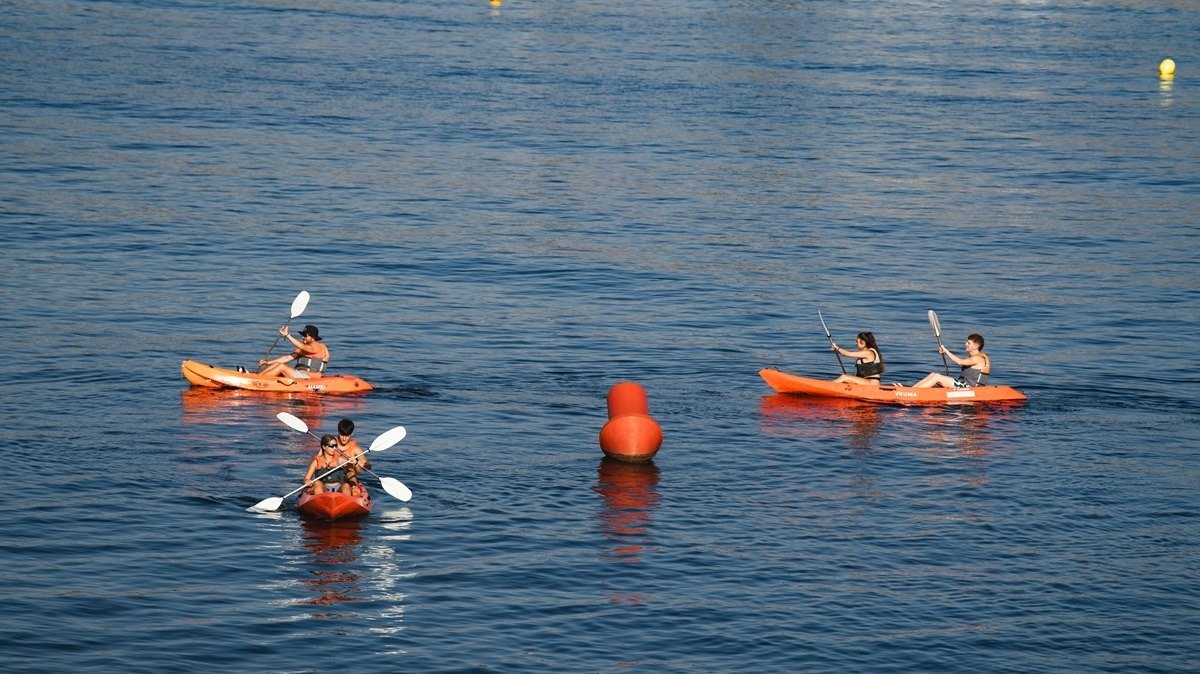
(630, 499)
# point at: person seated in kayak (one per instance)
(976, 366)
(869, 367)
(348, 446)
(310, 355)
(330, 458)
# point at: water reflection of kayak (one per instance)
(904, 395)
(202, 374)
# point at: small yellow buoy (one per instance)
(1166, 69)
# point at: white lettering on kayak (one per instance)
(965, 393)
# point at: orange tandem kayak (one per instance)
(904, 395)
(211, 376)
(334, 505)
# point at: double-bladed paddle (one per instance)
(391, 485)
(381, 443)
(937, 332)
(839, 356)
(298, 306)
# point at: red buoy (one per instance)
(630, 434)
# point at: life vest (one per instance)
(336, 472)
(973, 375)
(314, 361)
(350, 450)
(867, 370)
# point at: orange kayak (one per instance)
(334, 505)
(211, 376)
(904, 395)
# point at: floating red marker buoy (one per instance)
(630, 434)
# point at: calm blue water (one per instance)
(502, 211)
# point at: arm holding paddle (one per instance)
(282, 360)
(975, 358)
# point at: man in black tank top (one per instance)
(976, 366)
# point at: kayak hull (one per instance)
(783, 382)
(211, 376)
(334, 505)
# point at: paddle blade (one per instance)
(395, 488)
(933, 323)
(823, 324)
(300, 303)
(388, 439)
(267, 505)
(292, 422)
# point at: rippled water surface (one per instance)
(501, 210)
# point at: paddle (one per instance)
(381, 443)
(839, 356)
(937, 332)
(391, 485)
(298, 306)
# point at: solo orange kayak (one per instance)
(334, 505)
(211, 376)
(904, 395)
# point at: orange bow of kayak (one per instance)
(211, 376)
(334, 505)
(903, 395)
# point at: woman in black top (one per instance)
(868, 364)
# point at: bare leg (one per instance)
(351, 480)
(284, 372)
(934, 379)
(275, 370)
(856, 380)
(318, 487)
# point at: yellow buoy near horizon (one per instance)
(1166, 69)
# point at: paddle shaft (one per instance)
(277, 338)
(937, 332)
(839, 356)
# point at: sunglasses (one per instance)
(329, 446)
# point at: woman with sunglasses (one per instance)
(330, 457)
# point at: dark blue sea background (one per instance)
(502, 210)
